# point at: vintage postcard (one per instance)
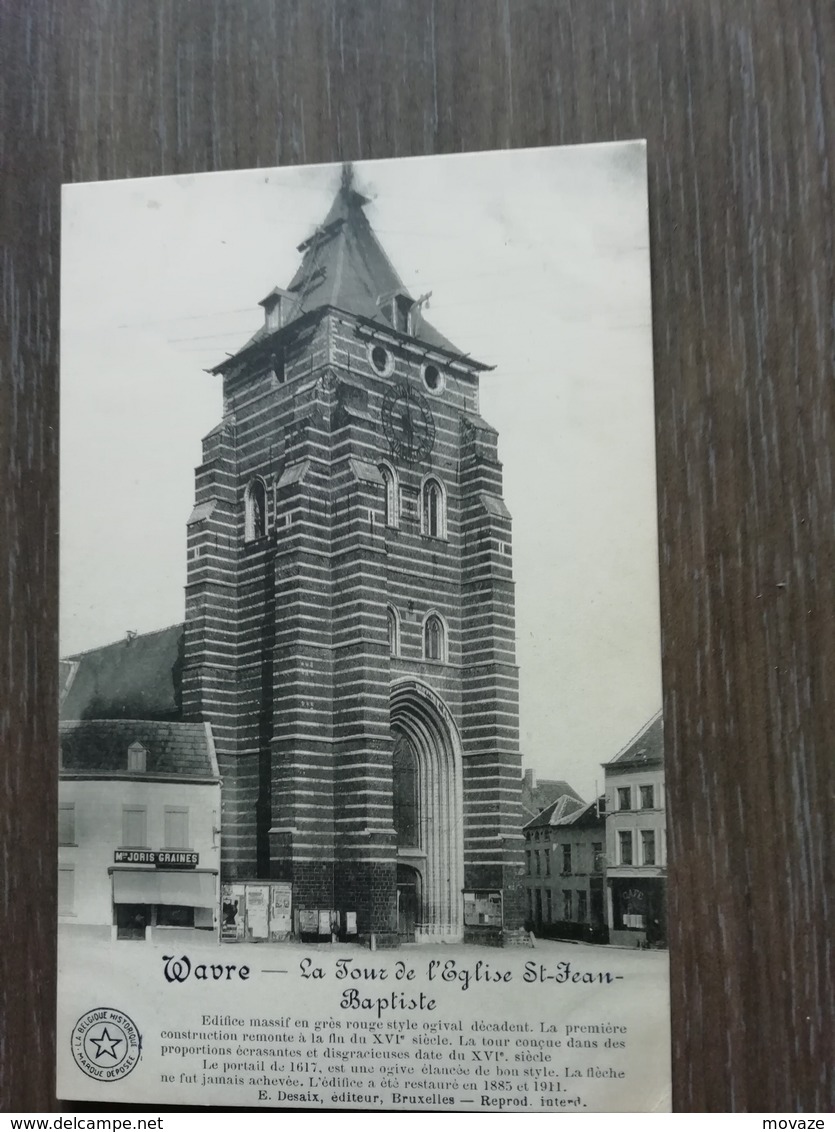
(361, 752)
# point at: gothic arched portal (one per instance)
(428, 812)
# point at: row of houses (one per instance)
(597, 871)
(139, 842)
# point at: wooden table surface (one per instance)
(737, 101)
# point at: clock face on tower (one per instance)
(408, 423)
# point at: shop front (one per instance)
(149, 902)
(639, 911)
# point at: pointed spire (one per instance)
(345, 266)
(348, 205)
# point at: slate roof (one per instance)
(97, 746)
(135, 678)
(566, 811)
(557, 812)
(644, 749)
(536, 798)
(344, 266)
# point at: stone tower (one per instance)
(350, 607)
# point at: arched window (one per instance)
(393, 621)
(405, 793)
(434, 638)
(433, 508)
(391, 490)
(255, 504)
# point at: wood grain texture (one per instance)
(736, 99)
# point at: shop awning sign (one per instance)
(159, 858)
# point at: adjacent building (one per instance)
(538, 793)
(565, 869)
(138, 829)
(598, 871)
(636, 845)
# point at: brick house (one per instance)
(565, 870)
(636, 839)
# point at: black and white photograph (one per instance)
(361, 769)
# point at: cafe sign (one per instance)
(159, 858)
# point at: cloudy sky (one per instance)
(538, 264)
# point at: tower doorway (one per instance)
(428, 814)
(408, 902)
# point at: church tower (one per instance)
(350, 608)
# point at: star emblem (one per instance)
(105, 1044)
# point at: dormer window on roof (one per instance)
(277, 306)
(345, 267)
(399, 309)
(137, 758)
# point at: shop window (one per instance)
(175, 916)
(567, 910)
(647, 847)
(391, 496)
(582, 907)
(633, 909)
(624, 797)
(566, 859)
(134, 827)
(176, 827)
(66, 823)
(434, 638)
(393, 623)
(550, 907)
(433, 508)
(255, 511)
(132, 920)
(66, 890)
(647, 797)
(625, 845)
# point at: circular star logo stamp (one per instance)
(106, 1044)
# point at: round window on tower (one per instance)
(381, 359)
(433, 379)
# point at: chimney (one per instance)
(529, 779)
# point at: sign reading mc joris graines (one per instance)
(160, 858)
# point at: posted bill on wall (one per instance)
(361, 770)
